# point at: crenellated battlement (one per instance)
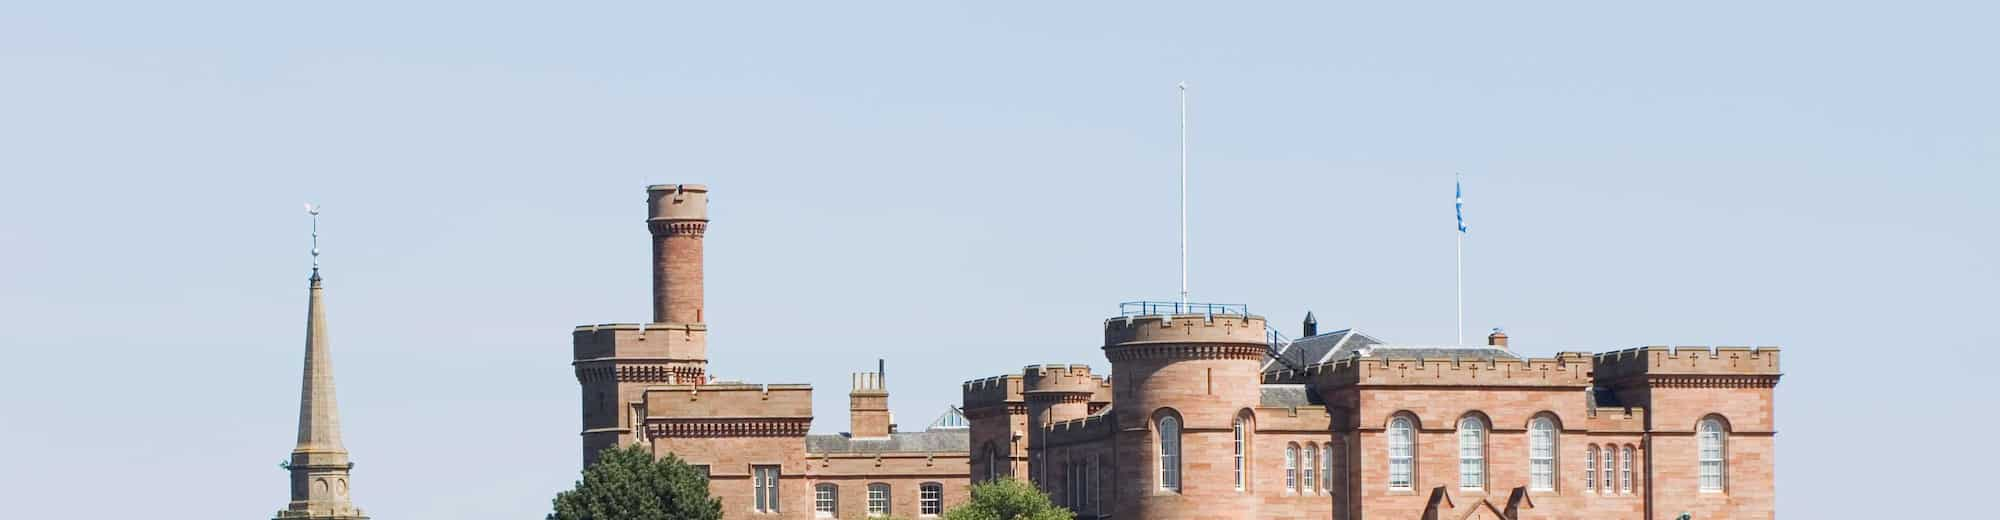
(1072, 381)
(676, 341)
(1687, 361)
(729, 401)
(1619, 419)
(991, 391)
(1184, 328)
(1086, 429)
(1564, 369)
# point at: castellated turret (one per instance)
(677, 215)
(1195, 372)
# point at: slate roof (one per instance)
(1278, 395)
(1313, 350)
(929, 441)
(1467, 352)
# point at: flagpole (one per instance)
(1461, 287)
(1184, 235)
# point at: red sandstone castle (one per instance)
(648, 383)
(1207, 413)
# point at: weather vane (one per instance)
(314, 211)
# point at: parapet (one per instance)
(734, 400)
(676, 202)
(1184, 328)
(1087, 429)
(1657, 360)
(1059, 379)
(991, 391)
(678, 341)
(1566, 369)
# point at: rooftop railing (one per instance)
(1157, 308)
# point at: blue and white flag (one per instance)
(1459, 193)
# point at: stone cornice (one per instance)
(669, 228)
(728, 427)
(989, 410)
(1060, 397)
(1712, 381)
(1130, 351)
(669, 374)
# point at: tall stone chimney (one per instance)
(677, 214)
(868, 407)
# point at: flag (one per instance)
(1459, 194)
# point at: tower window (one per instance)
(1170, 453)
(1542, 454)
(1711, 439)
(1471, 453)
(1402, 447)
(765, 479)
(1237, 430)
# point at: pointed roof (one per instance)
(319, 415)
(951, 419)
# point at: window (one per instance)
(1237, 430)
(1312, 461)
(1093, 484)
(1326, 464)
(1292, 468)
(1170, 453)
(930, 499)
(1610, 453)
(1401, 461)
(765, 479)
(826, 501)
(992, 462)
(1624, 471)
(1589, 469)
(1711, 440)
(1471, 453)
(878, 499)
(1542, 454)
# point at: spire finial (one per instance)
(314, 211)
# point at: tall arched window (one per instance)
(1237, 430)
(1326, 466)
(1542, 454)
(1402, 448)
(826, 501)
(1306, 484)
(992, 462)
(878, 499)
(1471, 453)
(1590, 468)
(1712, 439)
(930, 499)
(1625, 471)
(1292, 468)
(1170, 453)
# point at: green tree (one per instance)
(1008, 499)
(629, 484)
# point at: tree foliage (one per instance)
(1008, 499)
(629, 484)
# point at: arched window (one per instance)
(1542, 454)
(1292, 468)
(1712, 439)
(1471, 453)
(930, 499)
(878, 499)
(1306, 467)
(1326, 467)
(1170, 453)
(992, 462)
(1589, 469)
(1237, 430)
(1610, 459)
(1402, 448)
(826, 501)
(1625, 471)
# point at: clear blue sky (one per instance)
(962, 189)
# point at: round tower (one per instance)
(677, 214)
(1200, 370)
(1053, 393)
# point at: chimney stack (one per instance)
(868, 407)
(1311, 327)
(1497, 338)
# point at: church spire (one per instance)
(319, 464)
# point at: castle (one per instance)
(1207, 413)
(649, 384)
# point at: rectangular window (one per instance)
(930, 500)
(1400, 463)
(1589, 468)
(1541, 461)
(1312, 461)
(1625, 472)
(1608, 467)
(765, 480)
(878, 500)
(826, 501)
